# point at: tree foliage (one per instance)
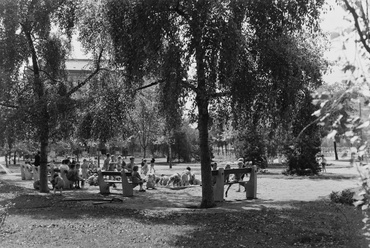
(232, 45)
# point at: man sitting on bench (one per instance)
(238, 178)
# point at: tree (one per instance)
(40, 90)
(215, 36)
(144, 120)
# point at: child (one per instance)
(151, 169)
(150, 184)
(57, 182)
(136, 178)
(144, 168)
(119, 163)
(73, 176)
(323, 163)
(106, 162)
(227, 177)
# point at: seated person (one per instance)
(227, 177)
(136, 178)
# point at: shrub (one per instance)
(344, 197)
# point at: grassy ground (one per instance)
(30, 219)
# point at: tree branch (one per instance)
(357, 25)
(149, 85)
(79, 85)
(220, 94)
(7, 105)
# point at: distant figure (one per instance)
(106, 162)
(353, 159)
(130, 165)
(227, 177)
(151, 168)
(323, 163)
(57, 182)
(144, 168)
(37, 159)
(84, 169)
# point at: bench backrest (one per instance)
(233, 171)
(114, 173)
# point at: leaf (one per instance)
(315, 102)
(353, 139)
(363, 192)
(365, 91)
(323, 118)
(363, 147)
(332, 134)
(363, 125)
(317, 113)
(323, 103)
(365, 206)
(358, 203)
(349, 133)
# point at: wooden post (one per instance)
(251, 186)
(127, 189)
(218, 188)
(103, 186)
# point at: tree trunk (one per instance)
(15, 157)
(169, 160)
(205, 159)
(44, 140)
(335, 150)
(6, 160)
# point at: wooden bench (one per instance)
(127, 186)
(67, 184)
(250, 186)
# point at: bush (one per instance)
(344, 197)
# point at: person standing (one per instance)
(37, 159)
(144, 168)
(84, 169)
(106, 162)
(151, 168)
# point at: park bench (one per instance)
(250, 186)
(67, 184)
(104, 184)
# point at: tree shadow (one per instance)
(238, 223)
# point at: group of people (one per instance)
(139, 175)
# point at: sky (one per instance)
(334, 23)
